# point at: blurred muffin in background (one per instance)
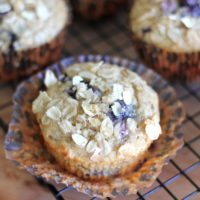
(166, 34)
(31, 35)
(95, 9)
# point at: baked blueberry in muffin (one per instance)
(97, 119)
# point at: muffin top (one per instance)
(96, 109)
(25, 24)
(173, 25)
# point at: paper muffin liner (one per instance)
(25, 147)
(30, 61)
(184, 67)
(17, 64)
(95, 9)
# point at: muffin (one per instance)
(94, 9)
(30, 141)
(97, 119)
(31, 35)
(166, 34)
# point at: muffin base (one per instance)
(93, 10)
(91, 170)
(184, 67)
(19, 64)
(25, 147)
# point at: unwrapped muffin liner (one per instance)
(95, 9)
(184, 67)
(25, 147)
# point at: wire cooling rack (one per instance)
(180, 179)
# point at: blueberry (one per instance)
(13, 37)
(191, 2)
(196, 11)
(63, 78)
(72, 92)
(192, 7)
(123, 131)
(146, 30)
(186, 12)
(112, 117)
(127, 111)
(169, 6)
(95, 90)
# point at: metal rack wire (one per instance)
(112, 37)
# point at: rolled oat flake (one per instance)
(5, 8)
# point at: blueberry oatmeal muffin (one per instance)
(95, 9)
(31, 35)
(166, 34)
(97, 119)
(73, 125)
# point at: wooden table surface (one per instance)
(179, 179)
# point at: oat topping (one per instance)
(91, 146)
(184, 10)
(34, 22)
(97, 113)
(50, 79)
(53, 113)
(79, 140)
(153, 130)
(170, 24)
(182, 7)
(5, 8)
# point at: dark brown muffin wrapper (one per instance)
(184, 67)
(95, 9)
(17, 64)
(24, 144)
